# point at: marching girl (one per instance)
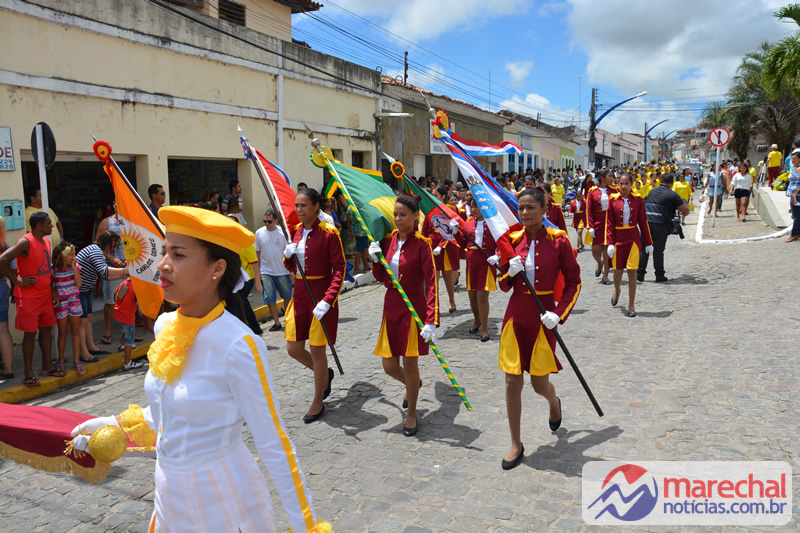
(317, 245)
(527, 344)
(481, 270)
(410, 256)
(625, 213)
(579, 220)
(596, 209)
(446, 253)
(208, 375)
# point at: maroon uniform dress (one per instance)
(399, 333)
(626, 237)
(481, 275)
(525, 344)
(596, 215)
(448, 259)
(578, 208)
(556, 216)
(324, 268)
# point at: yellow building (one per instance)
(167, 87)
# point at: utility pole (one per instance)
(405, 73)
(645, 142)
(592, 139)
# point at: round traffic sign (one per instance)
(719, 136)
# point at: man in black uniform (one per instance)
(660, 205)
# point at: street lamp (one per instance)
(593, 123)
(647, 132)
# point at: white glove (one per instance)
(493, 260)
(610, 251)
(550, 319)
(648, 249)
(437, 250)
(321, 308)
(454, 223)
(428, 332)
(374, 249)
(81, 442)
(515, 266)
(591, 232)
(290, 250)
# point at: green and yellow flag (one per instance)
(373, 198)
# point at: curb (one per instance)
(48, 385)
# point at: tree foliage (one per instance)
(782, 63)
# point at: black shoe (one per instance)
(330, 380)
(473, 331)
(597, 273)
(662, 279)
(313, 418)
(410, 432)
(557, 424)
(275, 327)
(607, 282)
(485, 338)
(405, 401)
(614, 302)
(508, 465)
(453, 310)
(640, 279)
(631, 315)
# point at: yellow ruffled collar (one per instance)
(167, 354)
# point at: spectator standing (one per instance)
(67, 281)
(34, 196)
(248, 258)
(660, 206)
(793, 189)
(34, 296)
(93, 267)
(773, 164)
(274, 278)
(716, 184)
(114, 258)
(125, 314)
(157, 196)
(6, 345)
(302, 185)
(684, 188)
(211, 195)
(742, 187)
(232, 208)
(234, 193)
(762, 170)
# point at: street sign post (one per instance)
(719, 137)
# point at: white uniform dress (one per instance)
(206, 478)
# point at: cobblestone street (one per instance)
(706, 371)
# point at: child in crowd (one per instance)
(125, 314)
(67, 281)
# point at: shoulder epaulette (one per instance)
(615, 195)
(555, 233)
(516, 236)
(593, 188)
(635, 194)
(420, 237)
(330, 228)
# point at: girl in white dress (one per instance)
(208, 376)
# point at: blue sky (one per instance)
(682, 52)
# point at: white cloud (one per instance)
(552, 8)
(657, 46)
(534, 104)
(421, 20)
(518, 71)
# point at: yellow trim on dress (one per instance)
(308, 515)
(508, 358)
(132, 422)
(167, 353)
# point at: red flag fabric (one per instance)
(284, 191)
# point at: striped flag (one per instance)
(435, 211)
(142, 235)
(484, 149)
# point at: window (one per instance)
(232, 12)
(510, 162)
(358, 159)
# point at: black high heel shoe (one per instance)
(473, 331)
(313, 418)
(508, 465)
(410, 432)
(327, 391)
(557, 424)
(405, 402)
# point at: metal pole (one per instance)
(592, 139)
(713, 203)
(42, 170)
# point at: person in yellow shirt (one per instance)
(34, 196)
(558, 192)
(752, 171)
(684, 188)
(774, 159)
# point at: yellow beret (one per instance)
(206, 225)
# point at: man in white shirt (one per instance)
(274, 279)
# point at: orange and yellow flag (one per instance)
(142, 235)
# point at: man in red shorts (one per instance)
(34, 293)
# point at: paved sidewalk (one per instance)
(707, 371)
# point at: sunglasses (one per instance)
(267, 221)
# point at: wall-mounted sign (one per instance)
(6, 149)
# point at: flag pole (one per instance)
(279, 213)
(316, 144)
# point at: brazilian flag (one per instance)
(372, 197)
